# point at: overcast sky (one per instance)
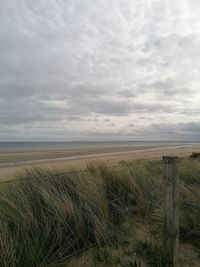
(99, 69)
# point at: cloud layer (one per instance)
(117, 69)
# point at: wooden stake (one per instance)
(171, 210)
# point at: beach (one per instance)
(16, 161)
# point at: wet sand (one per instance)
(10, 163)
(21, 158)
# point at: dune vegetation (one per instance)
(56, 219)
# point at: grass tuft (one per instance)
(47, 220)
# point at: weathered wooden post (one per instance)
(171, 210)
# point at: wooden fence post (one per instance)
(171, 210)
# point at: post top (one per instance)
(170, 158)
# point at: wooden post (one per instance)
(171, 210)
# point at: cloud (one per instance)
(131, 125)
(176, 130)
(127, 93)
(68, 62)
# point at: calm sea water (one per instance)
(35, 146)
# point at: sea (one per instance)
(43, 146)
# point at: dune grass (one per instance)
(47, 220)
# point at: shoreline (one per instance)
(122, 152)
(52, 155)
(79, 158)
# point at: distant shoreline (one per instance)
(124, 151)
(10, 163)
(19, 147)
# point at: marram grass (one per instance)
(47, 220)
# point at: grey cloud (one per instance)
(66, 61)
(72, 118)
(153, 108)
(151, 44)
(111, 125)
(170, 131)
(127, 93)
(166, 87)
(193, 127)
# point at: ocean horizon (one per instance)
(37, 146)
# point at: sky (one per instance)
(99, 70)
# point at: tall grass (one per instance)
(44, 221)
(190, 201)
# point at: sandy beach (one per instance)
(13, 162)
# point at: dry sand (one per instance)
(10, 163)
